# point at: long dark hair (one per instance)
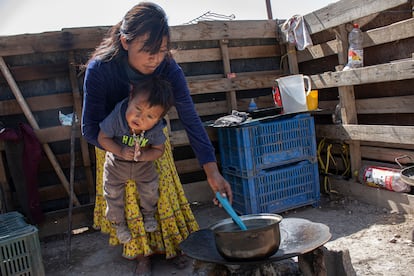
(144, 18)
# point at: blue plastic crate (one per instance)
(20, 252)
(276, 190)
(247, 149)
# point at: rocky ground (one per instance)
(380, 242)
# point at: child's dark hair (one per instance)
(157, 90)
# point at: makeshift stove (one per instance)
(299, 237)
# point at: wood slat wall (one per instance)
(31, 59)
(387, 26)
(374, 99)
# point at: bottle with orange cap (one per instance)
(355, 50)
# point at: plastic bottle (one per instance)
(355, 50)
(383, 177)
(252, 105)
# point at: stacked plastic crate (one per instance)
(271, 164)
(20, 252)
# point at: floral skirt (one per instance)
(174, 216)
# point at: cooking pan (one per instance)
(259, 241)
(407, 174)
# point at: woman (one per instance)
(135, 49)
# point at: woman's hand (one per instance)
(217, 182)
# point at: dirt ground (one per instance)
(380, 242)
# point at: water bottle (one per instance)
(252, 105)
(355, 50)
(383, 177)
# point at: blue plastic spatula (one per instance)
(226, 205)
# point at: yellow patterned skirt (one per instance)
(175, 218)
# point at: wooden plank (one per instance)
(318, 51)
(393, 71)
(347, 98)
(197, 55)
(292, 59)
(261, 51)
(214, 54)
(179, 138)
(203, 109)
(374, 133)
(37, 103)
(384, 154)
(37, 72)
(217, 30)
(346, 11)
(386, 105)
(77, 106)
(187, 166)
(64, 160)
(199, 191)
(53, 134)
(388, 145)
(56, 223)
(89, 37)
(393, 32)
(255, 80)
(65, 40)
(397, 202)
(383, 105)
(231, 95)
(56, 191)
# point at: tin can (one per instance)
(383, 177)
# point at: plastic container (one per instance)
(355, 50)
(383, 177)
(276, 190)
(252, 105)
(19, 247)
(312, 100)
(249, 148)
(293, 92)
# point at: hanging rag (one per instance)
(234, 119)
(296, 32)
(23, 153)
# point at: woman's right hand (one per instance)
(217, 182)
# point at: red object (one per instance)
(276, 96)
(231, 75)
(31, 154)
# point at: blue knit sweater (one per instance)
(107, 83)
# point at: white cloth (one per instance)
(234, 119)
(296, 32)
